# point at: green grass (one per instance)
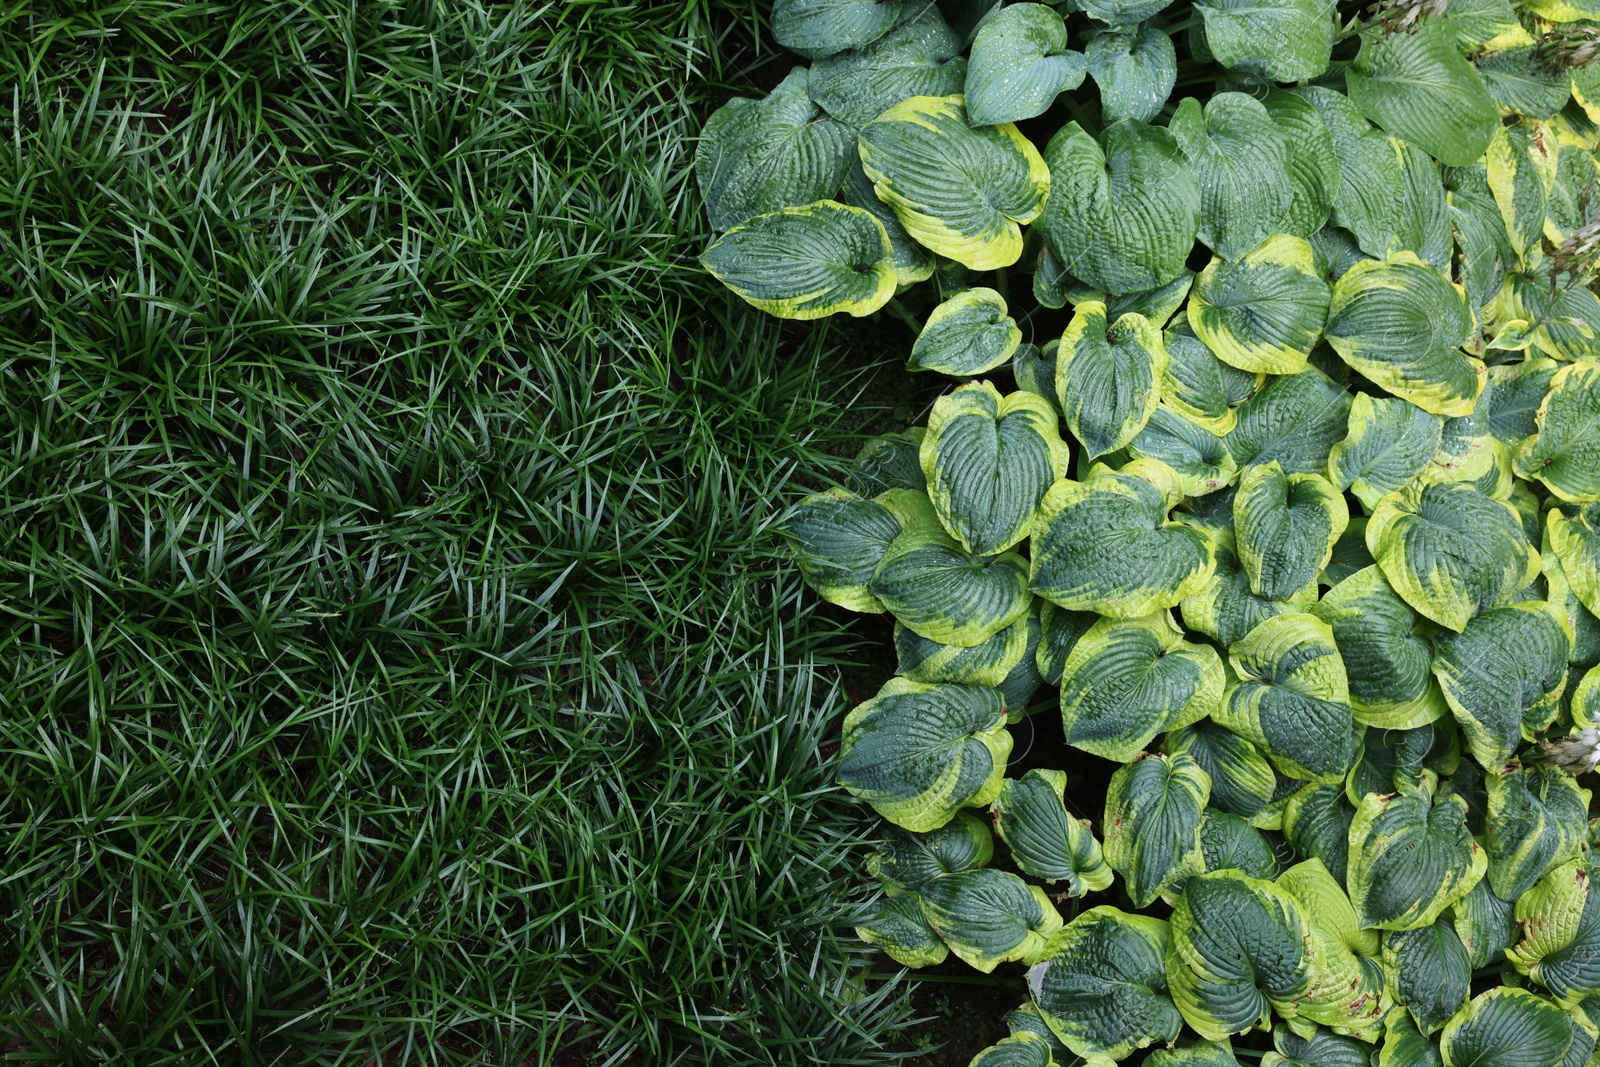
(399, 664)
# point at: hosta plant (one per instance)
(1269, 462)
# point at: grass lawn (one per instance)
(399, 665)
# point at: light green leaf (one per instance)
(1292, 699)
(1503, 675)
(1419, 88)
(1198, 1054)
(946, 594)
(986, 663)
(1411, 857)
(1285, 528)
(1522, 163)
(1154, 807)
(818, 28)
(1577, 621)
(1018, 1050)
(838, 540)
(1506, 1027)
(1020, 63)
(1486, 925)
(1577, 172)
(1225, 609)
(1429, 972)
(1241, 164)
(758, 156)
(1385, 651)
(961, 191)
(1316, 822)
(1519, 83)
(1102, 985)
(1313, 161)
(1124, 210)
(1130, 679)
(921, 56)
(1280, 40)
(1045, 841)
(1560, 920)
(1575, 539)
(1242, 780)
(1403, 1044)
(910, 861)
(1108, 378)
(1265, 312)
(966, 335)
(1450, 551)
(1295, 420)
(807, 262)
(1371, 198)
(1201, 387)
(1390, 442)
(1564, 453)
(919, 753)
(1538, 819)
(1200, 457)
(896, 925)
(1135, 71)
(990, 917)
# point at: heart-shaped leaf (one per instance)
(1200, 457)
(1294, 421)
(896, 925)
(1242, 780)
(1429, 972)
(1560, 920)
(1108, 376)
(1564, 452)
(818, 28)
(1285, 526)
(1390, 442)
(1241, 164)
(1316, 822)
(1229, 842)
(1538, 819)
(1486, 925)
(1419, 88)
(1503, 675)
(910, 861)
(1574, 535)
(966, 335)
(1264, 312)
(1046, 842)
(838, 540)
(1506, 1027)
(1154, 807)
(990, 917)
(1134, 69)
(1201, 387)
(1280, 40)
(1385, 651)
(1225, 609)
(921, 56)
(1411, 857)
(946, 594)
(1371, 199)
(807, 262)
(1522, 161)
(1313, 161)
(1018, 1050)
(1020, 64)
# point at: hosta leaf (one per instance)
(1018, 1050)
(912, 263)
(1426, 229)
(1285, 528)
(1575, 540)
(1429, 972)
(838, 540)
(1020, 63)
(1564, 453)
(1241, 163)
(757, 156)
(1401, 323)
(1134, 70)
(1281, 40)
(921, 56)
(1130, 679)
(1518, 390)
(1483, 25)
(1317, 823)
(1035, 372)
(1538, 819)
(1242, 780)
(1313, 162)
(1102, 986)
(1027, 1019)
(1386, 653)
(1229, 842)
(1225, 609)
(1390, 442)
(966, 335)
(1292, 699)
(986, 663)
(910, 861)
(1201, 387)
(1154, 806)
(1559, 317)
(1522, 162)
(1577, 172)
(1419, 88)
(1105, 545)
(1347, 990)
(1045, 841)
(1450, 551)
(807, 262)
(1264, 312)
(1122, 12)
(1480, 233)
(1200, 457)
(1322, 1049)
(1199, 1054)
(1060, 630)
(1520, 83)
(1271, 817)
(1023, 680)
(1391, 755)
(818, 28)
(961, 191)
(1124, 210)
(1334, 251)
(1577, 621)
(891, 461)
(1371, 199)
(1411, 857)
(989, 460)
(990, 917)
(919, 753)
(896, 925)
(1295, 420)
(1503, 675)
(1158, 305)
(1349, 554)
(1560, 946)
(1486, 925)
(946, 594)
(1506, 1027)
(1108, 378)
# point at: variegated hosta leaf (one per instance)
(1390, 442)
(1450, 551)
(1200, 457)
(896, 925)
(1198, 1054)
(1334, 251)
(1503, 675)
(1322, 1049)
(966, 335)
(1577, 171)
(1292, 699)
(1486, 925)
(1201, 387)
(961, 191)
(1018, 1050)
(1020, 63)
(1484, 250)
(1123, 211)
(1242, 780)
(1329, 909)
(1265, 312)
(1130, 679)
(1560, 946)
(1102, 985)
(989, 460)
(1564, 453)
(986, 663)
(1578, 622)
(758, 156)
(1154, 806)
(1484, 25)
(912, 263)
(1316, 822)
(1419, 88)
(1045, 840)
(1389, 662)
(1469, 453)
(1520, 83)
(1035, 370)
(1426, 228)
(1280, 40)
(989, 917)
(1225, 609)
(1158, 305)
(1108, 376)
(1060, 630)
(944, 593)
(1285, 526)
(1403, 1044)
(1574, 536)
(807, 262)
(1229, 842)
(1411, 857)
(1295, 420)
(1105, 545)
(1313, 162)
(838, 540)
(1134, 70)
(919, 753)
(1429, 972)
(1522, 161)
(1026, 1019)
(1371, 200)
(1390, 757)
(1122, 12)
(1559, 319)
(921, 56)
(1538, 819)
(1506, 1027)
(1241, 163)
(1516, 390)
(892, 461)
(1402, 323)
(910, 861)
(818, 28)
